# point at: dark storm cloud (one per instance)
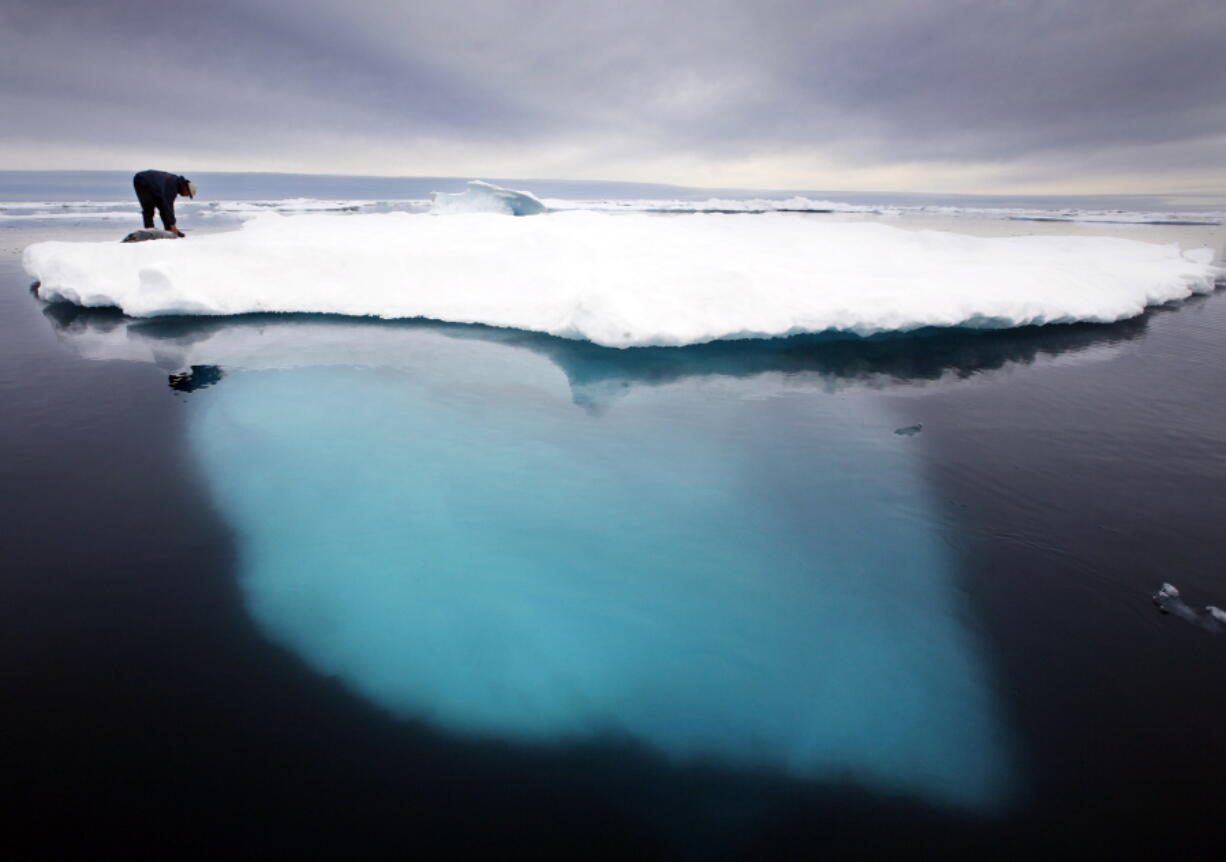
(875, 80)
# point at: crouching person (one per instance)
(158, 190)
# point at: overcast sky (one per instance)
(1085, 96)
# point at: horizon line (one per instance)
(1209, 193)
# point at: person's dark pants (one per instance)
(149, 201)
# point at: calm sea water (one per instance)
(303, 584)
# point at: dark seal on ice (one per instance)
(148, 234)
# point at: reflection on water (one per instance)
(710, 556)
(597, 375)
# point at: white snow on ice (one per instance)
(627, 279)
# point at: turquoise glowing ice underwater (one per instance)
(740, 571)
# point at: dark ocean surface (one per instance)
(706, 602)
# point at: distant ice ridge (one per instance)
(287, 205)
(189, 210)
(1073, 215)
(799, 204)
(625, 280)
(719, 205)
(483, 197)
(109, 211)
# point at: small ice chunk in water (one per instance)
(1168, 591)
(483, 197)
(1169, 602)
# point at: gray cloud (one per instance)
(1001, 79)
(863, 83)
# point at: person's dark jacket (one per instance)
(158, 189)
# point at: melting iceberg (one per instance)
(720, 561)
(483, 197)
(627, 279)
(725, 570)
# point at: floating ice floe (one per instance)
(627, 280)
(1165, 592)
(1169, 601)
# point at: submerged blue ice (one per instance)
(719, 570)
